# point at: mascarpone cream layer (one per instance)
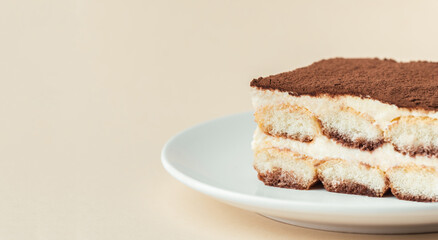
(322, 147)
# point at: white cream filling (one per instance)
(321, 147)
(382, 113)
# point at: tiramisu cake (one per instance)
(360, 126)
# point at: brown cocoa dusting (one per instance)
(409, 197)
(361, 144)
(428, 151)
(283, 179)
(405, 84)
(349, 187)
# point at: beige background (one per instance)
(91, 90)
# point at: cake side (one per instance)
(411, 85)
(364, 122)
(287, 166)
(353, 122)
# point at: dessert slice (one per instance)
(360, 126)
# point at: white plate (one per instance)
(215, 158)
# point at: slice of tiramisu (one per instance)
(360, 126)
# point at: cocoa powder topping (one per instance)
(405, 84)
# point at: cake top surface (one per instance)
(404, 84)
